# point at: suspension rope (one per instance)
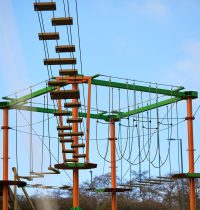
(43, 131)
(168, 132)
(49, 133)
(16, 138)
(31, 136)
(133, 163)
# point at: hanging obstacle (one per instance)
(68, 72)
(62, 21)
(65, 48)
(75, 120)
(64, 187)
(77, 145)
(72, 105)
(45, 6)
(70, 134)
(79, 155)
(56, 83)
(117, 189)
(69, 140)
(164, 177)
(51, 171)
(31, 177)
(49, 36)
(151, 182)
(136, 184)
(63, 128)
(60, 61)
(62, 113)
(159, 180)
(64, 94)
(28, 178)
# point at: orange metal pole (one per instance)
(75, 171)
(5, 158)
(191, 153)
(113, 164)
(88, 121)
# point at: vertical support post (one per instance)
(113, 164)
(5, 158)
(191, 153)
(88, 120)
(75, 171)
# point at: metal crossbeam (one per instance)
(19, 103)
(27, 97)
(134, 87)
(103, 116)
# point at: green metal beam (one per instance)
(149, 107)
(175, 93)
(19, 103)
(119, 85)
(25, 98)
(103, 116)
(52, 111)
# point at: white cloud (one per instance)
(186, 71)
(151, 8)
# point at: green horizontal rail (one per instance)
(149, 89)
(103, 116)
(19, 103)
(149, 107)
(25, 98)
(52, 111)
(175, 93)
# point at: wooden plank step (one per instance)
(68, 151)
(62, 113)
(45, 6)
(54, 83)
(49, 36)
(66, 140)
(71, 134)
(68, 72)
(71, 160)
(65, 48)
(60, 61)
(62, 21)
(72, 105)
(74, 120)
(79, 155)
(64, 94)
(77, 145)
(63, 128)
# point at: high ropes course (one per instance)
(128, 118)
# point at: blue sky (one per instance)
(150, 40)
